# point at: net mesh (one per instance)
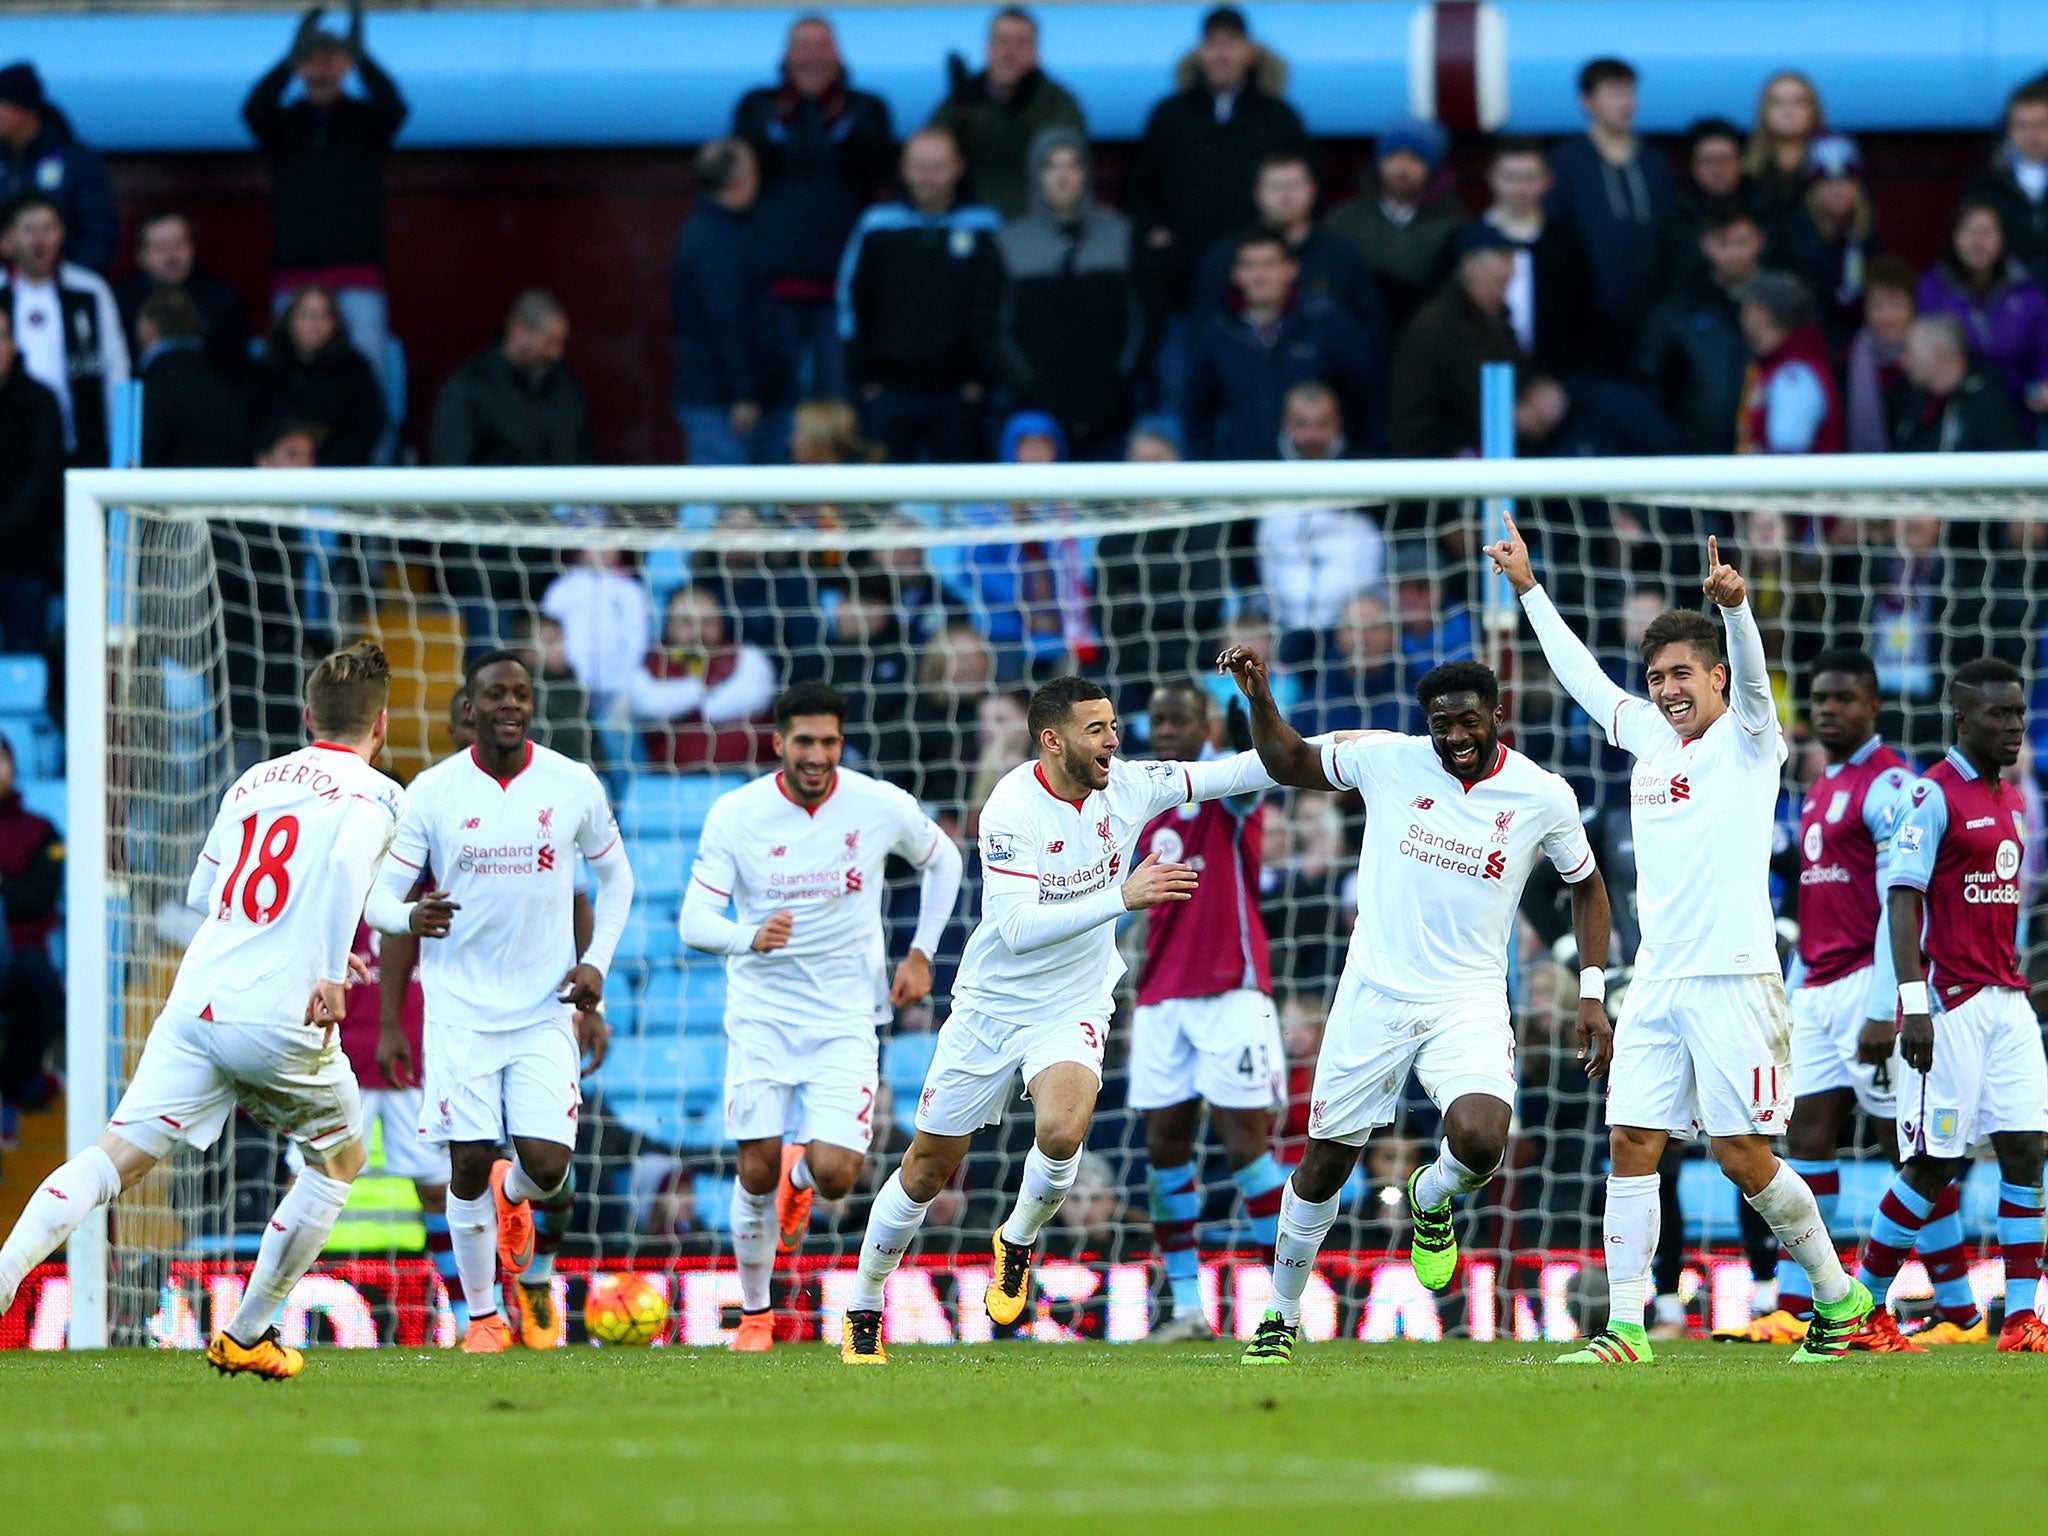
(932, 618)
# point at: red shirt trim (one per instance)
(333, 746)
(401, 859)
(1500, 761)
(1020, 874)
(809, 810)
(525, 763)
(1038, 773)
(714, 890)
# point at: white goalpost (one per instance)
(930, 594)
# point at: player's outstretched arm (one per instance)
(1749, 669)
(1288, 758)
(1575, 666)
(1591, 919)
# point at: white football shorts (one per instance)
(1703, 1053)
(801, 1085)
(1826, 1021)
(194, 1071)
(486, 1085)
(1224, 1049)
(978, 1058)
(1455, 1046)
(1989, 1076)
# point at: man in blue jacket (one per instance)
(40, 153)
(730, 396)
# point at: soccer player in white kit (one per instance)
(1704, 1042)
(1455, 822)
(252, 1015)
(1035, 990)
(799, 856)
(510, 1007)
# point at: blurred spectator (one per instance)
(1828, 238)
(606, 619)
(561, 701)
(1693, 355)
(165, 257)
(31, 991)
(1787, 595)
(191, 417)
(996, 116)
(326, 151)
(1242, 362)
(1092, 1216)
(1002, 741)
(1788, 120)
(1617, 192)
(1191, 182)
(824, 151)
(1908, 584)
(1359, 682)
(927, 750)
(1949, 404)
(2002, 309)
(1789, 399)
(31, 497)
(1331, 268)
(2015, 183)
(1160, 590)
(1433, 405)
(1550, 296)
(828, 432)
(919, 293)
(1308, 896)
(311, 371)
(66, 325)
(1314, 559)
(705, 700)
(516, 403)
(41, 152)
(731, 396)
(1432, 630)
(1404, 227)
(1713, 188)
(1589, 417)
(868, 659)
(1876, 368)
(1301, 1042)
(1071, 320)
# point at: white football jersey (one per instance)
(282, 879)
(505, 852)
(1443, 864)
(1073, 851)
(765, 852)
(1705, 815)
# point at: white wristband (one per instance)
(1593, 984)
(1913, 997)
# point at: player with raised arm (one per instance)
(510, 1007)
(1455, 822)
(1036, 987)
(800, 857)
(1704, 1041)
(1204, 1030)
(1969, 1049)
(252, 1014)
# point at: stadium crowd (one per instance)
(842, 296)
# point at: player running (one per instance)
(800, 857)
(1204, 1029)
(1704, 1041)
(510, 1008)
(1035, 990)
(251, 1016)
(1969, 1049)
(1454, 824)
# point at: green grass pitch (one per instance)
(1436, 1438)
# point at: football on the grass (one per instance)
(625, 1309)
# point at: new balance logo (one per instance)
(1681, 788)
(55, 1193)
(1421, 803)
(1055, 847)
(778, 850)
(277, 1226)
(472, 824)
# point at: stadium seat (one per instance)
(671, 804)
(45, 797)
(661, 866)
(650, 934)
(24, 685)
(19, 732)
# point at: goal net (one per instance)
(664, 608)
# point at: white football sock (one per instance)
(1788, 1205)
(753, 1245)
(1042, 1191)
(473, 1234)
(1630, 1227)
(53, 1212)
(297, 1232)
(1303, 1226)
(1447, 1177)
(800, 1173)
(521, 1185)
(893, 1222)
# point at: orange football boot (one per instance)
(487, 1336)
(756, 1333)
(515, 1223)
(1880, 1335)
(792, 1205)
(268, 1357)
(2023, 1335)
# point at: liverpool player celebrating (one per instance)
(1454, 824)
(1204, 1029)
(800, 857)
(1970, 1045)
(1704, 1041)
(1036, 987)
(251, 1017)
(509, 1005)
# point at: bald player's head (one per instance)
(461, 724)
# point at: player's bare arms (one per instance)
(1287, 755)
